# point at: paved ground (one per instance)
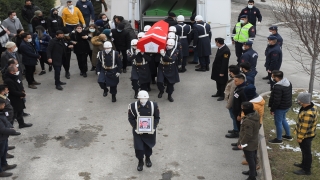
(78, 134)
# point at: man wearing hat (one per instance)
(249, 55)
(252, 12)
(121, 40)
(171, 19)
(273, 57)
(190, 39)
(220, 68)
(242, 32)
(143, 142)
(274, 31)
(306, 128)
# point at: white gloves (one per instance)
(73, 31)
(179, 66)
(98, 73)
(194, 46)
(137, 51)
(259, 22)
(129, 53)
(162, 52)
(117, 74)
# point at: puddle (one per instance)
(85, 175)
(169, 174)
(41, 140)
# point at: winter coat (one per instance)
(6, 127)
(82, 45)
(203, 44)
(28, 12)
(141, 139)
(30, 55)
(72, 19)
(250, 56)
(129, 29)
(121, 39)
(57, 45)
(171, 21)
(102, 25)
(39, 21)
(252, 13)
(169, 71)
(5, 58)
(279, 39)
(54, 23)
(97, 6)
(258, 105)
(12, 25)
(238, 98)
(228, 93)
(220, 65)
(16, 91)
(41, 46)
(97, 45)
(140, 67)
(86, 8)
(306, 126)
(281, 95)
(4, 38)
(273, 57)
(250, 75)
(8, 109)
(184, 37)
(249, 133)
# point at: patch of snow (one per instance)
(291, 122)
(294, 149)
(316, 94)
(315, 153)
(317, 104)
(272, 130)
(271, 148)
(296, 110)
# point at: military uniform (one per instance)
(183, 30)
(202, 41)
(250, 56)
(153, 65)
(273, 60)
(279, 39)
(109, 65)
(143, 143)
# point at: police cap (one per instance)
(248, 43)
(272, 37)
(273, 28)
(219, 40)
(243, 16)
(171, 14)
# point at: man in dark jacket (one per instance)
(280, 102)
(29, 58)
(171, 19)
(16, 95)
(28, 13)
(8, 109)
(249, 55)
(249, 138)
(121, 40)
(39, 20)
(253, 14)
(55, 22)
(87, 10)
(143, 142)
(97, 7)
(220, 68)
(127, 26)
(250, 75)
(273, 57)
(274, 31)
(57, 44)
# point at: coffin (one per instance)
(155, 39)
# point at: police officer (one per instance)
(252, 12)
(108, 69)
(167, 70)
(171, 19)
(274, 31)
(143, 142)
(273, 57)
(183, 30)
(242, 32)
(202, 41)
(140, 74)
(249, 55)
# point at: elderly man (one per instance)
(143, 142)
(11, 52)
(12, 23)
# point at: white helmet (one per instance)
(171, 42)
(146, 28)
(134, 42)
(143, 94)
(198, 18)
(140, 35)
(172, 29)
(180, 18)
(171, 35)
(107, 44)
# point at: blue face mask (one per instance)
(119, 30)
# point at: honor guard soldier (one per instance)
(140, 35)
(108, 69)
(143, 142)
(177, 46)
(167, 70)
(183, 30)
(249, 55)
(140, 74)
(202, 41)
(242, 32)
(146, 28)
(253, 14)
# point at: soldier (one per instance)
(146, 28)
(183, 30)
(177, 46)
(108, 69)
(140, 35)
(243, 32)
(167, 70)
(140, 74)
(202, 41)
(249, 55)
(143, 142)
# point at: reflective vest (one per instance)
(242, 33)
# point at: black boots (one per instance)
(140, 165)
(160, 94)
(136, 94)
(202, 69)
(182, 69)
(235, 134)
(170, 98)
(93, 68)
(105, 92)
(148, 162)
(114, 99)
(67, 75)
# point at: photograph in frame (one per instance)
(145, 124)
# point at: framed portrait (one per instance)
(145, 124)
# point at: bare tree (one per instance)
(303, 18)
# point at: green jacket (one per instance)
(249, 131)
(97, 6)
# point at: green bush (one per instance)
(17, 5)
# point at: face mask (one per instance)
(242, 21)
(169, 46)
(15, 49)
(105, 19)
(29, 40)
(70, 7)
(92, 30)
(108, 50)
(143, 101)
(14, 17)
(119, 30)
(243, 48)
(17, 65)
(17, 73)
(66, 34)
(270, 33)
(250, 6)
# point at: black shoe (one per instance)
(84, 74)
(265, 78)
(182, 70)
(298, 165)
(220, 99)
(201, 69)
(42, 72)
(136, 95)
(114, 99)
(8, 167)
(11, 147)
(124, 71)
(25, 114)
(62, 83)
(215, 95)
(81, 74)
(302, 172)
(24, 125)
(170, 98)
(232, 135)
(93, 68)
(207, 68)
(153, 81)
(268, 82)
(231, 131)
(251, 178)
(288, 138)
(246, 172)
(140, 165)
(275, 141)
(148, 162)
(9, 156)
(59, 87)
(160, 94)
(192, 62)
(16, 134)
(50, 68)
(234, 144)
(105, 92)
(5, 174)
(67, 75)
(235, 148)
(198, 66)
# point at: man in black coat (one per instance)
(8, 109)
(220, 68)
(54, 22)
(253, 14)
(143, 142)
(171, 19)
(57, 44)
(121, 40)
(30, 58)
(16, 95)
(28, 12)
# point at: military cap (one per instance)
(171, 14)
(248, 43)
(273, 28)
(272, 37)
(219, 40)
(243, 16)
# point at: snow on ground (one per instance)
(271, 148)
(296, 110)
(294, 149)
(272, 130)
(291, 122)
(316, 154)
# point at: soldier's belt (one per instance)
(109, 67)
(205, 35)
(139, 64)
(166, 63)
(182, 37)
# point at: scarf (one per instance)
(3, 39)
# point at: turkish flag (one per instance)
(155, 39)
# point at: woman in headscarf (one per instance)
(37, 20)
